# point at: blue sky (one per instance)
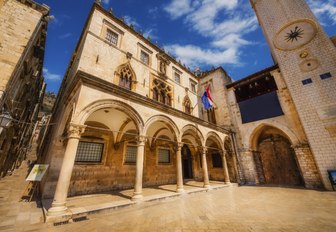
(201, 33)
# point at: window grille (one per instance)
(112, 37)
(144, 57)
(177, 78)
(217, 160)
(89, 152)
(131, 154)
(164, 155)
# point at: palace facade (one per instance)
(129, 115)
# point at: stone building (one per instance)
(307, 61)
(127, 116)
(23, 26)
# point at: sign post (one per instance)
(34, 178)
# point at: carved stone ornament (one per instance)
(75, 130)
(295, 35)
(141, 140)
(163, 61)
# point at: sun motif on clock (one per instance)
(294, 34)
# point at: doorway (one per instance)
(278, 159)
(187, 163)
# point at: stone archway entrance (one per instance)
(187, 163)
(277, 159)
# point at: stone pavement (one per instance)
(225, 209)
(14, 212)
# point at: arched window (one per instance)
(125, 77)
(162, 92)
(187, 105)
(125, 80)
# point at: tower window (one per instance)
(325, 76)
(177, 78)
(307, 81)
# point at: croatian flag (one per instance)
(206, 99)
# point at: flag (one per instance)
(206, 99)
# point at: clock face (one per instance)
(295, 35)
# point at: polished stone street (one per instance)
(226, 209)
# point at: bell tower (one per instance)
(307, 60)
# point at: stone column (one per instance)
(58, 206)
(139, 169)
(225, 168)
(205, 169)
(179, 174)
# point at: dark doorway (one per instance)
(187, 162)
(277, 159)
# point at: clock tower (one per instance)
(307, 60)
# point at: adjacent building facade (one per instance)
(22, 41)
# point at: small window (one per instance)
(89, 152)
(307, 81)
(325, 76)
(163, 155)
(131, 154)
(217, 160)
(193, 86)
(144, 57)
(177, 78)
(112, 37)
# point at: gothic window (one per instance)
(126, 78)
(162, 92)
(155, 94)
(211, 115)
(111, 37)
(187, 105)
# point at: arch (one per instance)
(109, 103)
(166, 120)
(217, 139)
(193, 128)
(253, 138)
(126, 75)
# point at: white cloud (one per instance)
(64, 36)
(177, 8)
(324, 10)
(151, 33)
(106, 1)
(129, 20)
(51, 76)
(226, 36)
(195, 56)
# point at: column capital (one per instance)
(204, 150)
(75, 130)
(178, 146)
(141, 140)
